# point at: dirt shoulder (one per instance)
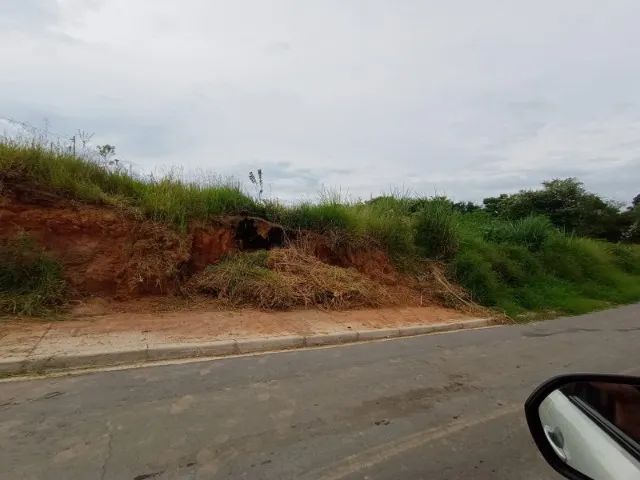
(120, 331)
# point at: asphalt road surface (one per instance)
(443, 406)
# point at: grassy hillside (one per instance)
(164, 199)
(517, 266)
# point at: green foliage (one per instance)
(385, 222)
(632, 233)
(561, 274)
(520, 253)
(476, 273)
(167, 199)
(325, 216)
(106, 151)
(389, 226)
(627, 257)
(30, 281)
(532, 232)
(436, 229)
(569, 207)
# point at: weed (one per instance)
(436, 228)
(30, 281)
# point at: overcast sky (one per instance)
(467, 98)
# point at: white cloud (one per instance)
(462, 97)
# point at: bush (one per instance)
(436, 230)
(627, 257)
(531, 232)
(568, 206)
(30, 281)
(565, 275)
(476, 274)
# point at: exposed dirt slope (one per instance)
(109, 253)
(101, 251)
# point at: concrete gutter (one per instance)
(222, 348)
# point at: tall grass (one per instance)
(166, 199)
(516, 266)
(30, 281)
(437, 232)
(532, 232)
(385, 224)
(529, 266)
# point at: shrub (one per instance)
(627, 257)
(531, 232)
(30, 281)
(476, 274)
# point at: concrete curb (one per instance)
(225, 347)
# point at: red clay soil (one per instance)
(107, 252)
(222, 236)
(102, 251)
(369, 260)
(210, 244)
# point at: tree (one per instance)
(494, 205)
(106, 152)
(465, 207)
(569, 207)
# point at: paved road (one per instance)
(434, 407)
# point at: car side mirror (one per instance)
(587, 427)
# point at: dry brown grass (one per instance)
(435, 287)
(154, 257)
(287, 278)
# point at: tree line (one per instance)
(571, 208)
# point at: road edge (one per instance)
(223, 348)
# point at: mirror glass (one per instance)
(594, 427)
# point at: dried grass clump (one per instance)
(154, 258)
(287, 278)
(436, 288)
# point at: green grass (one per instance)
(436, 230)
(165, 199)
(518, 266)
(385, 224)
(30, 281)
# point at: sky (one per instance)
(463, 98)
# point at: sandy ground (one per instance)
(36, 338)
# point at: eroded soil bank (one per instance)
(112, 254)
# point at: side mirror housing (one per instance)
(587, 426)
